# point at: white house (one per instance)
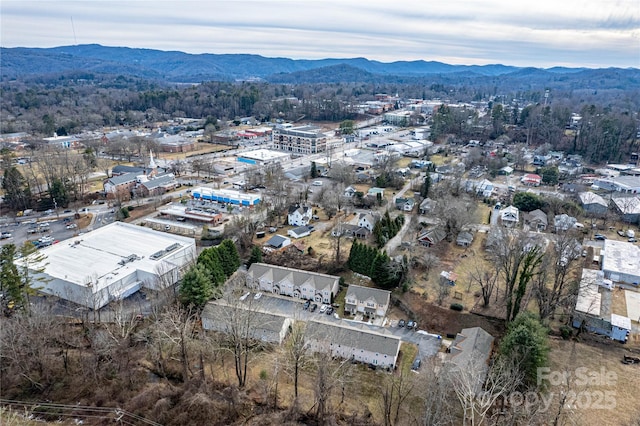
(293, 282)
(510, 216)
(371, 302)
(350, 191)
(564, 222)
(368, 220)
(346, 342)
(299, 215)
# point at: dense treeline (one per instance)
(375, 264)
(204, 279)
(387, 228)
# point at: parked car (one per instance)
(306, 305)
(417, 363)
(5, 235)
(633, 240)
(401, 323)
(329, 310)
(257, 296)
(244, 296)
(411, 325)
(323, 309)
(599, 237)
(313, 308)
(72, 226)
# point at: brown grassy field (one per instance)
(599, 359)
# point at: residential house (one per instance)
(278, 242)
(531, 179)
(299, 215)
(293, 282)
(350, 230)
(373, 192)
(593, 203)
(564, 222)
(338, 340)
(224, 318)
(510, 216)
(350, 191)
(371, 302)
(427, 205)
(470, 352)
(432, 237)
(506, 170)
(537, 220)
(628, 208)
(368, 220)
(405, 204)
(464, 239)
(485, 188)
(299, 232)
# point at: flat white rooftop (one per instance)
(97, 255)
(589, 299)
(621, 258)
(264, 155)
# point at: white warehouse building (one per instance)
(112, 263)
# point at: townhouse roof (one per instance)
(361, 293)
(342, 335)
(297, 277)
(260, 320)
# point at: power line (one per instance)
(122, 416)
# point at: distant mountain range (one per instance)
(180, 67)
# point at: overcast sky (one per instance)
(541, 33)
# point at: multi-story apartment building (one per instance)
(300, 140)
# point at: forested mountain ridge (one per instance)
(173, 66)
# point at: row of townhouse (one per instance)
(293, 282)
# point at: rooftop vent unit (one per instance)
(157, 255)
(172, 247)
(128, 259)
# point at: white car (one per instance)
(244, 296)
(257, 296)
(72, 226)
(323, 309)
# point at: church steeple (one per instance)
(152, 164)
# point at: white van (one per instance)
(317, 183)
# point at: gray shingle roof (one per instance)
(354, 338)
(297, 277)
(469, 346)
(381, 297)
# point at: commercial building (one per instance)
(111, 263)
(299, 140)
(226, 196)
(595, 316)
(263, 157)
(621, 262)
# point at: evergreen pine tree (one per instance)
(196, 288)
(256, 256)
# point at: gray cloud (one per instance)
(594, 33)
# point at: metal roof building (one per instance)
(112, 263)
